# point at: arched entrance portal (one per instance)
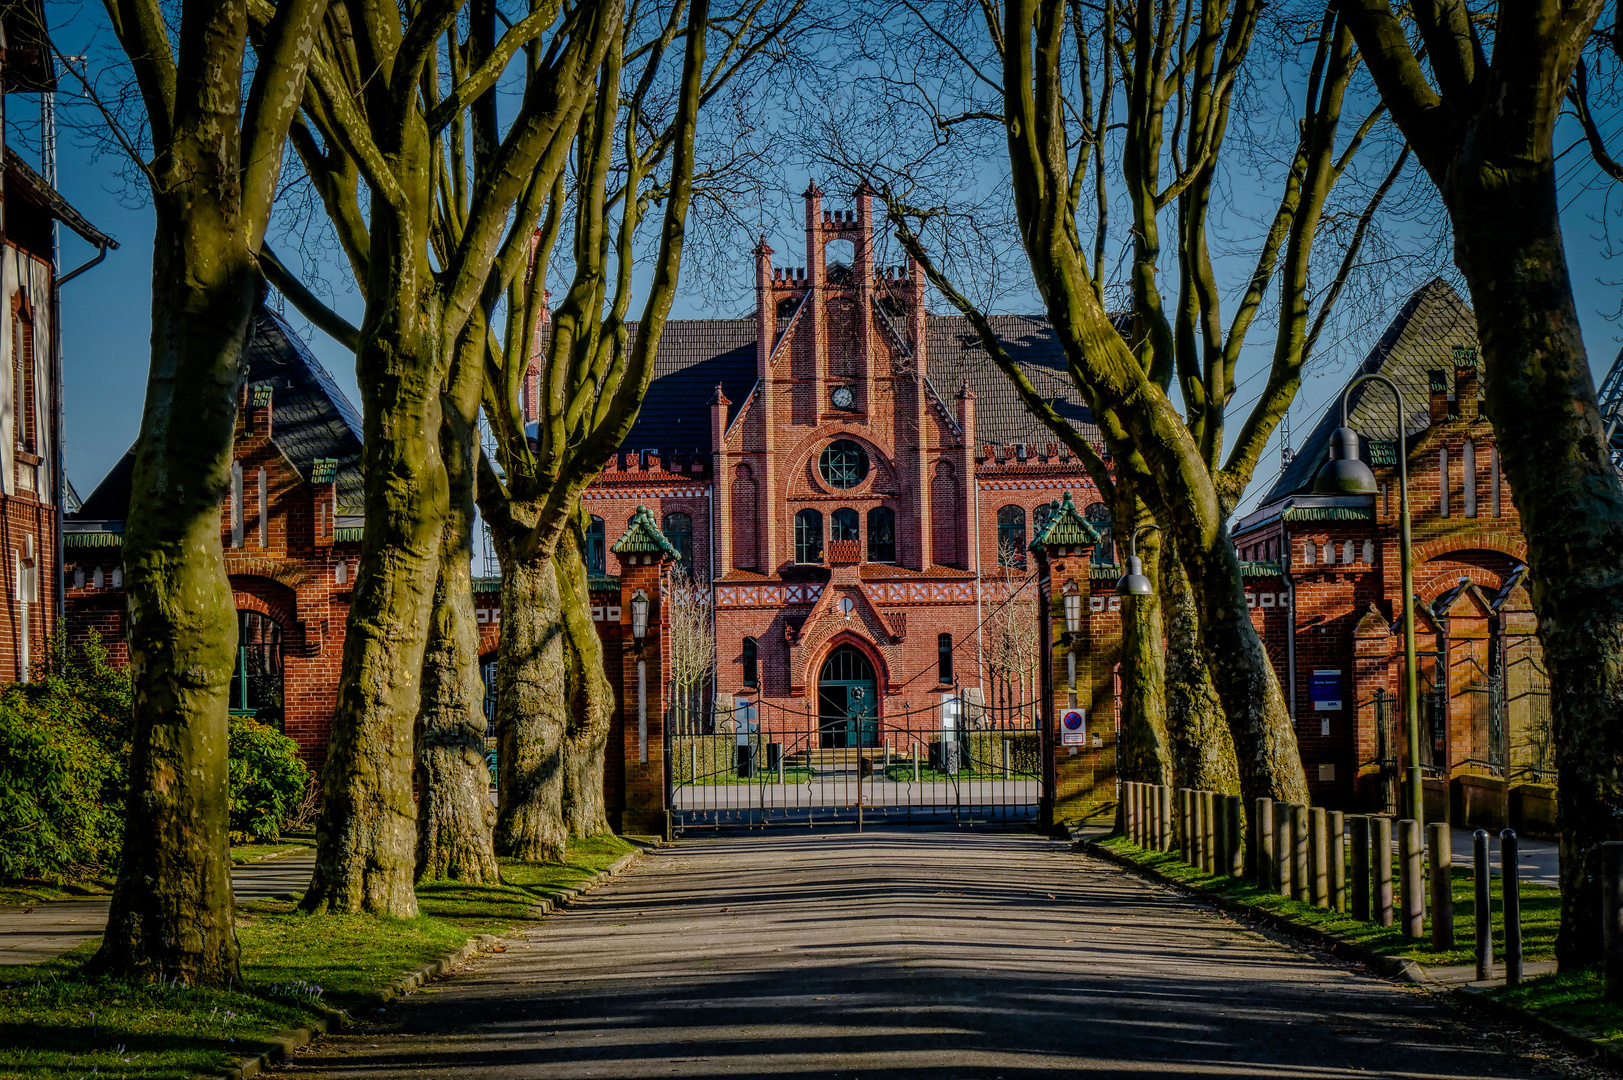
(256, 684)
(847, 700)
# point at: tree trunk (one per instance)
(1202, 747)
(531, 702)
(589, 693)
(454, 812)
(1143, 751)
(1546, 419)
(172, 913)
(367, 836)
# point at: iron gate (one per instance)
(856, 761)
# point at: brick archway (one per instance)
(813, 668)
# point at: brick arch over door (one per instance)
(273, 599)
(815, 658)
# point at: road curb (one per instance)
(276, 1047)
(1395, 967)
(1608, 1051)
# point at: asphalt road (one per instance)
(924, 954)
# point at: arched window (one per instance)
(256, 684)
(786, 309)
(843, 524)
(1039, 518)
(752, 675)
(943, 646)
(844, 464)
(808, 537)
(596, 546)
(1098, 515)
(678, 529)
(1011, 536)
(882, 534)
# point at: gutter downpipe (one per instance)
(980, 634)
(1286, 553)
(58, 422)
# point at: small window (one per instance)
(1039, 519)
(882, 535)
(844, 464)
(809, 537)
(678, 529)
(596, 547)
(256, 684)
(842, 524)
(1098, 516)
(944, 658)
(1011, 536)
(751, 670)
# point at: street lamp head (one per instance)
(1345, 473)
(1134, 583)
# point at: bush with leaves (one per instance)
(64, 751)
(267, 780)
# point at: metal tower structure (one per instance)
(1611, 410)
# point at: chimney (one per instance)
(1439, 396)
(1465, 382)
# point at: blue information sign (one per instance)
(1325, 689)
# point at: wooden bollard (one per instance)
(1236, 831)
(1338, 860)
(1186, 845)
(1358, 832)
(1442, 886)
(1262, 843)
(1163, 817)
(1135, 813)
(1318, 825)
(1380, 864)
(1300, 866)
(1611, 914)
(1208, 834)
(1483, 897)
(1411, 878)
(1220, 834)
(1283, 847)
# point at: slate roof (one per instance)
(696, 354)
(313, 424)
(1420, 340)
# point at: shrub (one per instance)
(267, 780)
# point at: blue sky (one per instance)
(106, 312)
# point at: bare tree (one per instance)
(691, 632)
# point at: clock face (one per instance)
(843, 397)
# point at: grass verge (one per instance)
(1572, 999)
(58, 1022)
(1541, 911)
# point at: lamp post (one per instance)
(1134, 583)
(1346, 474)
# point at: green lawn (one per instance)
(1541, 911)
(31, 892)
(57, 1022)
(1571, 999)
(247, 853)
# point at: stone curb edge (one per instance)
(279, 1045)
(1395, 967)
(1609, 1052)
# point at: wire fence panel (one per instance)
(844, 761)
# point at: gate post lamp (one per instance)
(1134, 583)
(1072, 597)
(1346, 474)
(639, 617)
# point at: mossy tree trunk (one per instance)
(588, 691)
(213, 177)
(1485, 137)
(1202, 747)
(1143, 751)
(454, 813)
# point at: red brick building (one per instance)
(33, 488)
(1484, 699)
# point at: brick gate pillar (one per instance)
(1064, 556)
(645, 554)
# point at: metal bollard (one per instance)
(1358, 829)
(1510, 883)
(1338, 860)
(1611, 913)
(1236, 830)
(1442, 886)
(1282, 850)
(1380, 863)
(1301, 868)
(1483, 905)
(1208, 833)
(1318, 849)
(1262, 843)
(1410, 858)
(1163, 817)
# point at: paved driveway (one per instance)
(925, 954)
